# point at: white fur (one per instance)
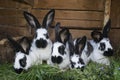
(66, 61)
(84, 57)
(75, 59)
(40, 33)
(97, 55)
(36, 55)
(20, 55)
(41, 53)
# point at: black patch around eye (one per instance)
(102, 46)
(81, 61)
(23, 61)
(41, 43)
(61, 50)
(46, 35)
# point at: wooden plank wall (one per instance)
(115, 18)
(11, 18)
(75, 14)
(81, 16)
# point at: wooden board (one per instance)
(71, 4)
(12, 4)
(13, 31)
(115, 13)
(12, 12)
(115, 38)
(16, 21)
(67, 14)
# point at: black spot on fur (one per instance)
(18, 70)
(23, 61)
(89, 49)
(53, 59)
(81, 61)
(108, 53)
(61, 50)
(102, 46)
(57, 60)
(41, 43)
(72, 64)
(46, 35)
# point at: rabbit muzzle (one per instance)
(57, 60)
(109, 52)
(41, 43)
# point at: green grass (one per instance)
(44, 72)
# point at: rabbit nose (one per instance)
(18, 70)
(78, 67)
(109, 52)
(41, 43)
(57, 60)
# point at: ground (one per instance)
(44, 72)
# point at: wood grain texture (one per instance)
(16, 21)
(107, 11)
(71, 4)
(12, 4)
(115, 13)
(67, 14)
(13, 31)
(11, 12)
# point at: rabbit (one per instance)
(102, 48)
(80, 51)
(22, 58)
(60, 50)
(41, 44)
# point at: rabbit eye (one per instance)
(61, 50)
(46, 35)
(102, 46)
(23, 62)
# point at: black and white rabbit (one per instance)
(80, 51)
(41, 44)
(60, 50)
(22, 58)
(102, 47)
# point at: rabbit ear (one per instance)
(64, 35)
(96, 35)
(32, 21)
(106, 29)
(48, 19)
(57, 31)
(17, 47)
(71, 45)
(25, 43)
(80, 45)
